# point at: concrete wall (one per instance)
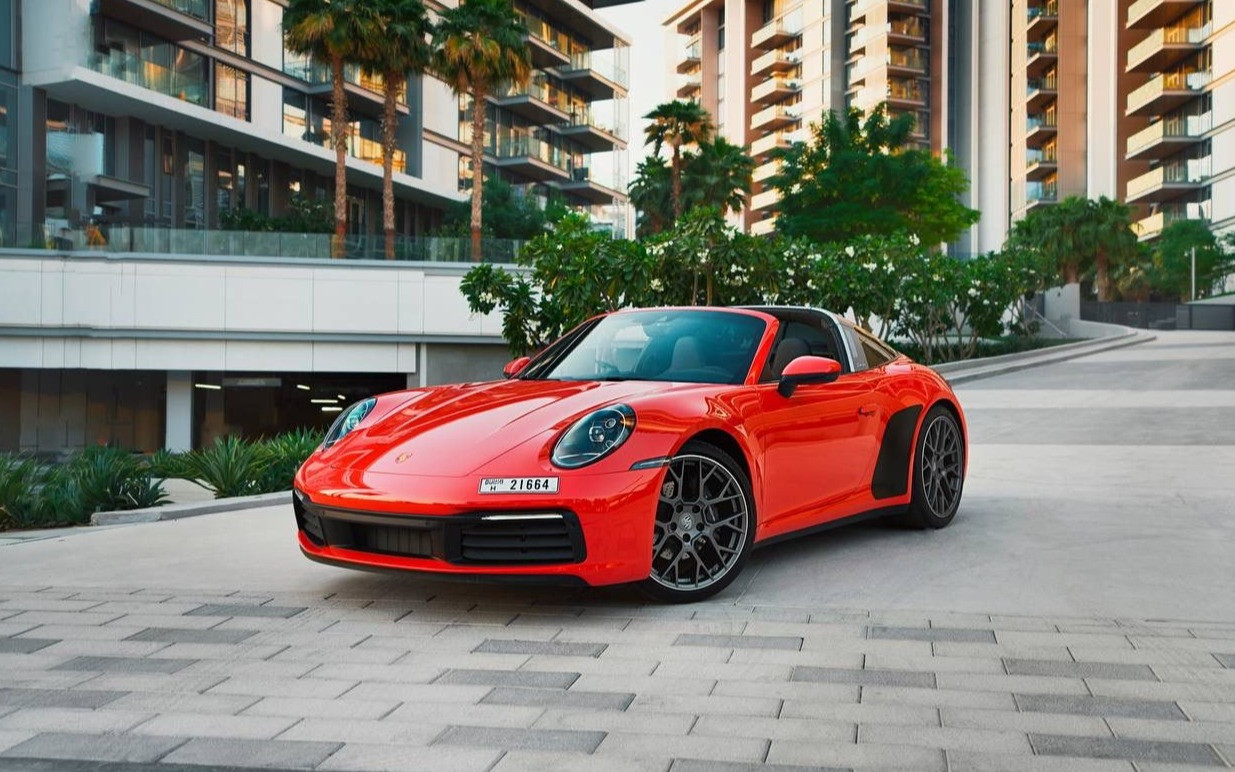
(142, 313)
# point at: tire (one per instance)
(938, 471)
(707, 495)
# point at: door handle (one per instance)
(867, 410)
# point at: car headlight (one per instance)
(594, 436)
(349, 419)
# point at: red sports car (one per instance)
(657, 446)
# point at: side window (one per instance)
(855, 348)
(808, 338)
(876, 354)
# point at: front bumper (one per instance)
(597, 529)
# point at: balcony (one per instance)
(599, 77)
(583, 187)
(549, 45)
(1042, 19)
(540, 102)
(1167, 46)
(764, 227)
(1168, 181)
(1039, 193)
(775, 89)
(1163, 93)
(592, 133)
(774, 61)
(902, 93)
(1159, 13)
(1043, 54)
(1041, 163)
(1168, 136)
(1152, 226)
(907, 31)
(692, 57)
(533, 159)
(780, 140)
(911, 61)
(767, 171)
(1039, 128)
(156, 77)
(692, 87)
(1040, 92)
(778, 32)
(173, 20)
(764, 200)
(775, 117)
(857, 43)
(366, 92)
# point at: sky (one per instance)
(648, 69)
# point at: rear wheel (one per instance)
(704, 527)
(938, 470)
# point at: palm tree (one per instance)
(339, 32)
(1112, 240)
(402, 49)
(479, 46)
(676, 124)
(719, 175)
(650, 192)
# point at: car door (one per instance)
(814, 443)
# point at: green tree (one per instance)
(719, 175)
(507, 213)
(401, 49)
(338, 32)
(651, 193)
(1170, 271)
(480, 46)
(1108, 232)
(677, 124)
(1059, 235)
(859, 175)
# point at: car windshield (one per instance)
(661, 345)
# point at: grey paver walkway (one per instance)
(1077, 616)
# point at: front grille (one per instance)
(548, 540)
(494, 539)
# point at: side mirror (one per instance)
(515, 367)
(805, 370)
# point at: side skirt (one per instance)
(873, 514)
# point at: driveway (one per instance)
(1077, 615)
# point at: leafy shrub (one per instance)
(97, 479)
(237, 467)
(284, 456)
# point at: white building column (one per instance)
(179, 436)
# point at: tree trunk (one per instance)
(478, 168)
(1071, 273)
(338, 135)
(390, 119)
(677, 183)
(1103, 277)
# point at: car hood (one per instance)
(458, 429)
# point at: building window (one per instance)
(231, 25)
(231, 91)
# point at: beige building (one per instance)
(1036, 99)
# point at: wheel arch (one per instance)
(726, 442)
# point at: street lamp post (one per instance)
(1193, 295)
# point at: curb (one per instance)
(962, 372)
(179, 511)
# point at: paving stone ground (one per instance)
(1077, 617)
(459, 682)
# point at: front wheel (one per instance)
(704, 527)
(938, 470)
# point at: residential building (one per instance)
(767, 69)
(129, 129)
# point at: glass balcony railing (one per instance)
(319, 74)
(198, 9)
(186, 86)
(607, 121)
(910, 28)
(907, 58)
(1048, 46)
(542, 90)
(1186, 172)
(220, 243)
(1044, 10)
(531, 147)
(1047, 190)
(1037, 156)
(1171, 127)
(544, 31)
(603, 63)
(1048, 83)
(906, 92)
(1174, 35)
(1041, 121)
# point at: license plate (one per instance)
(518, 485)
